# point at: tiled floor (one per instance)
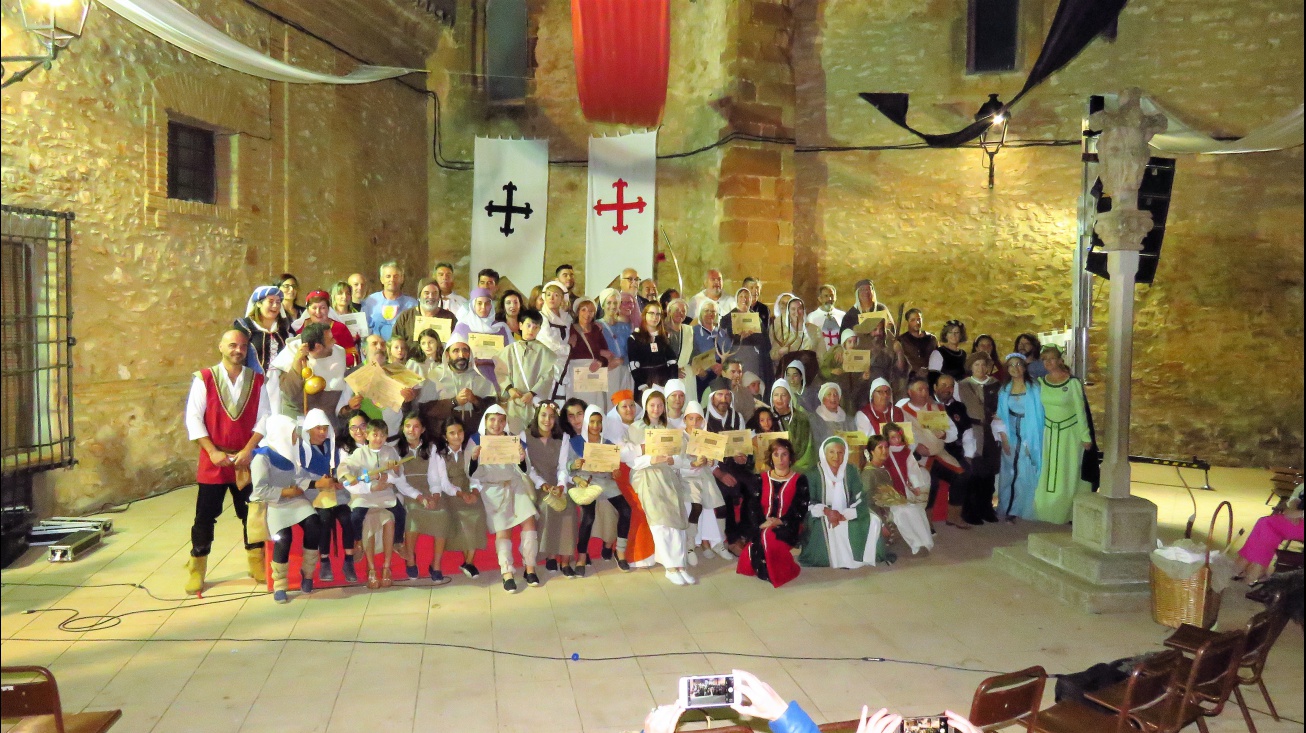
(414, 657)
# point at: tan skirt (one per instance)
(467, 528)
(433, 522)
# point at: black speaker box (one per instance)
(1153, 196)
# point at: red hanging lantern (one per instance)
(622, 50)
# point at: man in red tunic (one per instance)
(224, 415)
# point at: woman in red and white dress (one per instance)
(778, 519)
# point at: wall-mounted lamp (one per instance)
(55, 24)
(995, 135)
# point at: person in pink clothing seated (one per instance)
(1258, 551)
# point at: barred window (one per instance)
(36, 431)
(192, 163)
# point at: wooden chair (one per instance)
(1206, 683)
(1008, 699)
(1262, 632)
(1149, 683)
(1283, 481)
(35, 702)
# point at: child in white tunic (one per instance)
(661, 493)
(507, 493)
(704, 495)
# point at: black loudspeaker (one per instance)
(1153, 196)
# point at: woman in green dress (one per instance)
(841, 531)
(1065, 437)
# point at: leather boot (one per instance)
(256, 571)
(196, 567)
(308, 569)
(954, 518)
(280, 581)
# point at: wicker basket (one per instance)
(1192, 601)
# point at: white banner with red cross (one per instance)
(621, 209)
(510, 205)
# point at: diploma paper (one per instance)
(743, 323)
(443, 327)
(867, 322)
(601, 458)
(500, 450)
(739, 442)
(485, 346)
(704, 362)
(763, 443)
(662, 442)
(934, 420)
(854, 438)
(383, 385)
(356, 323)
(583, 380)
(856, 360)
(707, 445)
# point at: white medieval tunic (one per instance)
(506, 491)
(268, 480)
(834, 494)
(662, 496)
(701, 489)
(362, 461)
(527, 366)
(913, 482)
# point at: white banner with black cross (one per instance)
(510, 205)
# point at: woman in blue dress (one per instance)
(1020, 410)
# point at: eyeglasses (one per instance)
(631, 279)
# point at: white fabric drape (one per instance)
(182, 28)
(1179, 138)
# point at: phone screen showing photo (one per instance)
(712, 691)
(926, 724)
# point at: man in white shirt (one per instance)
(827, 317)
(712, 291)
(449, 300)
(225, 412)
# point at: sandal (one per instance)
(372, 582)
(386, 580)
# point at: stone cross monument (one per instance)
(1104, 564)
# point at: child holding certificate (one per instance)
(708, 532)
(661, 493)
(571, 470)
(507, 494)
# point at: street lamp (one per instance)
(54, 23)
(993, 137)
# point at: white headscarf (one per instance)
(644, 402)
(880, 382)
(831, 476)
(602, 298)
(279, 435)
(316, 418)
(796, 364)
(585, 426)
(837, 415)
(475, 323)
(675, 385)
(693, 408)
(614, 428)
(493, 410)
(781, 383)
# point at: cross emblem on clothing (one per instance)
(621, 207)
(507, 209)
(831, 338)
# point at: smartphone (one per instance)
(708, 691)
(926, 724)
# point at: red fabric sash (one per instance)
(780, 564)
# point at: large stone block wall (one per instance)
(327, 180)
(1218, 349)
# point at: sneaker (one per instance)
(551, 565)
(675, 577)
(351, 576)
(510, 585)
(625, 566)
(305, 584)
(280, 596)
(325, 574)
(578, 571)
(532, 580)
(607, 553)
(723, 552)
(691, 556)
(689, 579)
(438, 577)
(469, 570)
(567, 572)
(413, 572)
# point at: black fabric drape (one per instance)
(1076, 24)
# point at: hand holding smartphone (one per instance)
(708, 691)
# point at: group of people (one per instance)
(671, 429)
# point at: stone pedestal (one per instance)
(1102, 566)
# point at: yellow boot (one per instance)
(196, 566)
(256, 566)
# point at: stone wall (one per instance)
(325, 181)
(1219, 338)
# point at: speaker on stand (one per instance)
(1153, 196)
